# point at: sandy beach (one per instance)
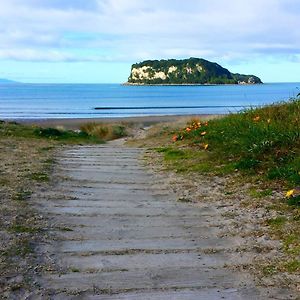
(143, 121)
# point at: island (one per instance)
(185, 72)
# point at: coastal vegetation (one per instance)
(186, 71)
(105, 131)
(263, 141)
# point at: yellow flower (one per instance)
(269, 121)
(205, 146)
(256, 119)
(289, 193)
(203, 133)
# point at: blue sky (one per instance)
(96, 41)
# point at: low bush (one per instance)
(104, 131)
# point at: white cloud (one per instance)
(34, 55)
(131, 30)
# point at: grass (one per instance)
(22, 195)
(185, 160)
(277, 222)
(263, 142)
(40, 177)
(293, 265)
(23, 229)
(12, 129)
(74, 270)
(254, 193)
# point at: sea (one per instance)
(52, 101)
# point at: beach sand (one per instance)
(142, 121)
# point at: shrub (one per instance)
(105, 131)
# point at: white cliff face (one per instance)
(140, 73)
(172, 69)
(147, 72)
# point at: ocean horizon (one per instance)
(54, 101)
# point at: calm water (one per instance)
(45, 101)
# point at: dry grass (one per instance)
(107, 131)
(20, 159)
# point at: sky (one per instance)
(97, 41)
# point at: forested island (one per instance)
(185, 72)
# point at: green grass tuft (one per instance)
(293, 266)
(23, 229)
(40, 177)
(277, 222)
(22, 195)
(294, 201)
(260, 194)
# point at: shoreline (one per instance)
(186, 84)
(75, 123)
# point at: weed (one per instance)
(22, 248)
(39, 176)
(65, 229)
(277, 222)
(294, 201)
(23, 229)
(260, 194)
(22, 195)
(74, 270)
(292, 266)
(45, 149)
(291, 243)
(185, 200)
(48, 132)
(270, 270)
(172, 154)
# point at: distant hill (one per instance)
(6, 81)
(185, 71)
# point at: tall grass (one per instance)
(264, 141)
(104, 131)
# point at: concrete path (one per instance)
(120, 234)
